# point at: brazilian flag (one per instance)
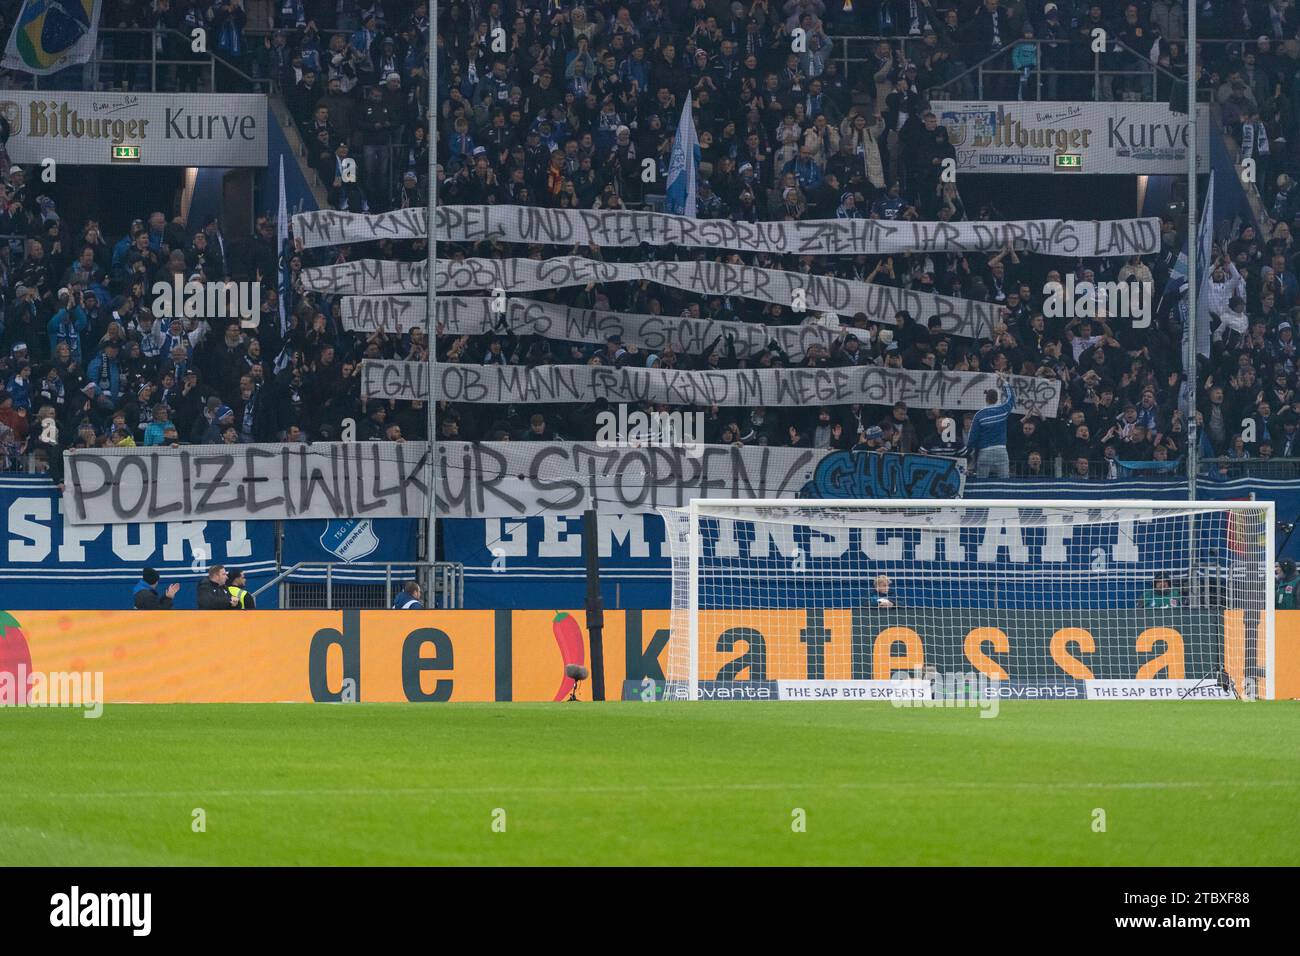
(52, 34)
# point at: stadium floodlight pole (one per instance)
(1193, 239)
(431, 302)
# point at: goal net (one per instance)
(874, 599)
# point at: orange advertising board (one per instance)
(259, 656)
(395, 656)
(1286, 635)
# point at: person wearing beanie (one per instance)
(145, 595)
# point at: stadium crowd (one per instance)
(563, 117)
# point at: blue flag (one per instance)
(682, 175)
(49, 36)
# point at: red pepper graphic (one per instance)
(568, 635)
(15, 656)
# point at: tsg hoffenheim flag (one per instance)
(50, 35)
(682, 173)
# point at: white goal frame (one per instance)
(1268, 507)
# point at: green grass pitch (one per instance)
(671, 783)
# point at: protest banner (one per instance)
(337, 480)
(474, 315)
(816, 293)
(743, 388)
(623, 228)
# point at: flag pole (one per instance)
(1189, 333)
(282, 258)
(431, 307)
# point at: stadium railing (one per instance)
(443, 581)
(1062, 84)
(1217, 468)
(121, 63)
(133, 71)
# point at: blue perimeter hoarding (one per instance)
(538, 562)
(534, 562)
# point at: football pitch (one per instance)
(1132, 783)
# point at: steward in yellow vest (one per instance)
(244, 600)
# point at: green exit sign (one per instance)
(1071, 162)
(126, 154)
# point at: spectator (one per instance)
(987, 442)
(787, 135)
(884, 596)
(237, 586)
(408, 599)
(213, 593)
(1288, 586)
(1161, 594)
(145, 594)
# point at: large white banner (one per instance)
(626, 228)
(474, 479)
(732, 388)
(1066, 138)
(844, 297)
(146, 129)
(473, 315)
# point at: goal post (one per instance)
(855, 599)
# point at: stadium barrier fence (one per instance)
(338, 587)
